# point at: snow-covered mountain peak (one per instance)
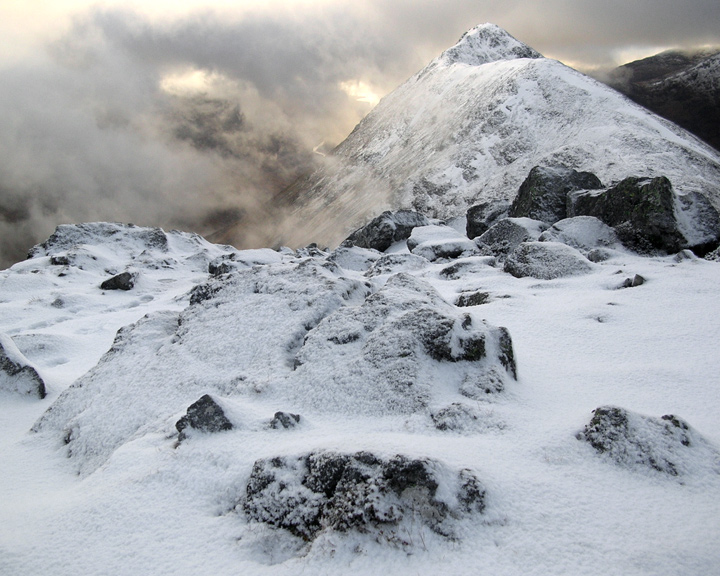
(487, 43)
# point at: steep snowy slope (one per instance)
(471, 125)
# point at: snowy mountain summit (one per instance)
(470, 126)
(530, 386)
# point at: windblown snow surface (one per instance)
(101, 486)
(469, 127)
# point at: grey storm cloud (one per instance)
(89, 131)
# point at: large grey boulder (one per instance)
(440, 242)
(507, 234)
(381, 232)
(668, 444)
(16, 373)
(546, 261)
(648, 216)
(543, 194)
(390, 499)
(481, 216)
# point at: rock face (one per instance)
(386, 229)
(205, 415)
(16, 373)
(546, 261)
(648, 216)
(668, 444)
(543, 194)
(391, 499)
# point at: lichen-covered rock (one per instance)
(648, 216)
(502, 238)
(481, 216)
(546, 261)
(123, 281)
(584, 233)
(387, 498)
(16, 373)
(543, 194)
(381, 232)
(205, 415)
(440, 242)
(666, 444)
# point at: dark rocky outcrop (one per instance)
(543, 194)
(16, 373)
(381, 232)
(122, 281)
(632, 440)
(648, 216)
(472, 299)
(546, 261)
(388, 498)
(481, 216)
(205, 415)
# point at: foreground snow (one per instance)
(133, 501)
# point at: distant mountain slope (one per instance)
(471, 125)
(682, 87)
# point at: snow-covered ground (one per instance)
(122, 497)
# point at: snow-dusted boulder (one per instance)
(584, 233)
(354, 258)
(466, 267)
(396, 263)
(546, 261)
(390, 499)
(666, 444)
(649, 216)
(386, 356)
(123, 281)
(439, 242)
(205, 415)
(16, 373)
(381, 232)
(543, 194)
(503, 237)
(239, 259)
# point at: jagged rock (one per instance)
(481, 216)
(472, 299)
(438, 242)
(389, 499)
(284, 420)
(713, 256)
(16, 373)
(648, 216)
(122, 281)
(666, 444)
(636, 280)
(543, 194)
(546, 261)
(503, 237)
(205, 415)
(386, 229)
(585, 233)
(396, 263)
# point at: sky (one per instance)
(193, 115)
